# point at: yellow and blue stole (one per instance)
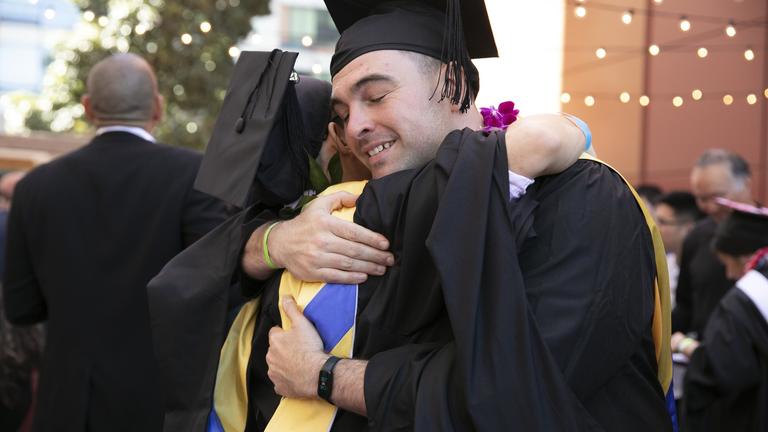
(332, 308)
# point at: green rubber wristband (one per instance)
(267, 259)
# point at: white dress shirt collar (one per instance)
(139, 132)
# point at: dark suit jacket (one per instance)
(86, 233)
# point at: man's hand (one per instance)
(295, 356)
(316, 246)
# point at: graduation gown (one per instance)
(534, 315)
(726, 386)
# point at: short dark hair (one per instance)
(649, 192)
(738, 165)
(684, 205)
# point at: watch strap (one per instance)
(325, 380)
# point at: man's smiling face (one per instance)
(392, 122)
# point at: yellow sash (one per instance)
(230, 410)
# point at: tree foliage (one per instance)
(188, 42)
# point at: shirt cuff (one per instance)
(518, 185)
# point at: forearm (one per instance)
(543, 144)
(348, 386)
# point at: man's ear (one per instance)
(88, 108)
(455, 108)
(157, 115)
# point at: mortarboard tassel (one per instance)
(456, 57)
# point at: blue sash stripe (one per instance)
(332, 311)
(214, 424)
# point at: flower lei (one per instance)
(498, 119)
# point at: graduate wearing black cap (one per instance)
(494, 317)
(726, 386)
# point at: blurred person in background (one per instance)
(20, 347)
(85, 235)
(650, 194)
(726, 386)
(676, 214)
(702, 281)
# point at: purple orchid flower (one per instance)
(499, 119)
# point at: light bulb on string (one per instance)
(766, 93)
(731, 29)
(658, 1)
(654, 50)
(627, 16)
(677, 101)
(186, 38)
(749, 54)
(702, 52)
(696, 94)
(565, 98)
(685, 25)
(727, 99)
(644, 100)
(580, 11)
(624, 97)
(751, 99)
(589, 101)
(601, 53)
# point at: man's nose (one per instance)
(359, 124)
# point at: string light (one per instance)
(624, 97)
(566, 97)
(234, 51)
(751, 99)
(601, 53)
(186, 38)
(727, 99)
(307, 41)
(658, 1)
(644, 100)
(89, 15)
(205, 26)
(317, 68)
(766, 93)
(696, 94)
(677, 101)
(191, 127)
(685, 25)
(49, 13)
(702, 52)
(730, 30)
(589, 101)
(654, 50)
(580, 11)
(627, 16)
(749, 54)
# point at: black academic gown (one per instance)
(529, 316)
(702, 282)
(726, 387)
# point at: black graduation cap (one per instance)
(744, 231)
(453, 31)
(271, 121)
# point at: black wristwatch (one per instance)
(325, 381)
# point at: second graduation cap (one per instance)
(264, 133)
